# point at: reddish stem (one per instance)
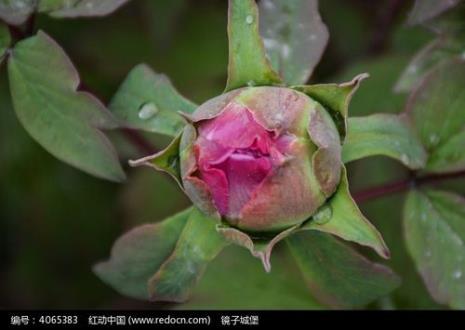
(403, 185)
(382, 190)
(139, 141)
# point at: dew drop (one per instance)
(19, 4)
(323, 215)
(285, 51)
(405, 159)
(434, 139)
(147, 110)
(69, 3)
(249, 19)
(268, 4)
(412, 69)
(423, 217)
(270, 43)
(251, 83)
(457, 274)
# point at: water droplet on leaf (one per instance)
(270, 43)
(423, 217)
(268, 4)
(323, 215)
(68, 3)
(412, 69)
(434, 139)
(405, 159)
(249, 19)
(286, 50)
(251, 83)
(148, 110)
(457, 274)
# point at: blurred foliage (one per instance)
(56, 222)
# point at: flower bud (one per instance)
(261, 158)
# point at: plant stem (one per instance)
(403, 185)
(22, 32)
(139, 141)
(382, 190)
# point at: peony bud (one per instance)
(262, 158)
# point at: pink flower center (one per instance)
(235, 154)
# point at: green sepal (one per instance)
(248, 64)
(166, 160)
(342, 217)
(259, 247)
(335, 98)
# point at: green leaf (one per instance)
(384, 134)
(235, 280)
(435, 52)
(341, 216)
(139, 253)
(51, 5)
(424, 10)
(248, 64)
(335, 98)
(16, 12)
(450, 22)
(66, 122)
(79, 8)
(336, 274)
(434, 230)
(437, 109)
(198, 244)
(5, 40)
(294, 36)
(166, 160)
(148, 101)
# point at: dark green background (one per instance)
(56, 222)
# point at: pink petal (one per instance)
(218, 185)
(244, 173)
(234, 155)
(235, 127)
